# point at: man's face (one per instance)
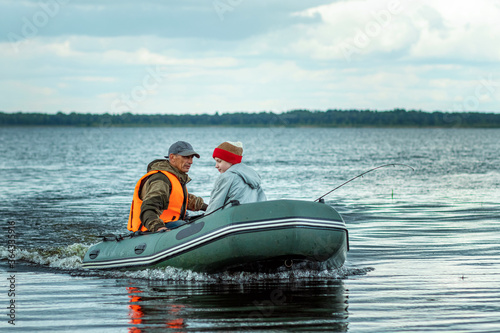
(182, 163)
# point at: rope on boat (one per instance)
(117, 238)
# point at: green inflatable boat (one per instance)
(248, 237)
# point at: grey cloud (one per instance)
(167, 19)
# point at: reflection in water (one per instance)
(135, 312)
(139, 305)
(177, 321)
(301, 305)
(431, 235)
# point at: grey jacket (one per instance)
(239, 182)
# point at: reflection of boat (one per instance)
(138, 318)
(291, 305)
(247, 237)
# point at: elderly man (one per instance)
(160, 196)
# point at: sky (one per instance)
(207, 56)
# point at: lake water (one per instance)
(424, 244)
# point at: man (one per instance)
(160, 196)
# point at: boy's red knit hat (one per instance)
(231, 152)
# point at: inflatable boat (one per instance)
(254, 237)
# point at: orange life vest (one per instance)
(177, 202)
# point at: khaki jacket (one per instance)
(156, 192)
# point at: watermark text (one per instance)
(31, 26)
(221, 7)
(372, 29)
(11, 272)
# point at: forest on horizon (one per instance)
(294, 118)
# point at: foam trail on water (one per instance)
(69, 258)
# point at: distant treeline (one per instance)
(295, 118)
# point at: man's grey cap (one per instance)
(182, 148)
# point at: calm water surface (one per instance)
(425, 244)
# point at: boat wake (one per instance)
(63, 258)
(68, 259)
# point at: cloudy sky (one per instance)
(203, 56)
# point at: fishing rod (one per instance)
(197, 217)
(320, 199)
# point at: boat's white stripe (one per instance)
(289, 222)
